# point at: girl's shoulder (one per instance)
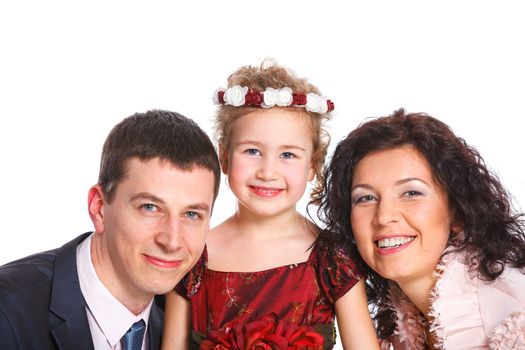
(337, 271)
(189, 285)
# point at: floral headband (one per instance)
(243, 96)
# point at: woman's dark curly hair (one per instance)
(493, 235)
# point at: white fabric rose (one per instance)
(235, 96)
(284, 97)
(316, 103)
(270, 97)
(280, 97)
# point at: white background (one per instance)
(70, 70)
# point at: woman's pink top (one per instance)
(468, 312)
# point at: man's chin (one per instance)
(163, 287)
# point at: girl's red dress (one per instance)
(292, 301)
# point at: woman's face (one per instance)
(400, 216)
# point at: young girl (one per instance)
(445, 252)
(264, 281)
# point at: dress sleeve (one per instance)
(337, 275)
(190, 283)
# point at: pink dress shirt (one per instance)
(108, 318)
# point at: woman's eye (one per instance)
(363, 199)
(287, 155)
(412, 193)
(253, 152)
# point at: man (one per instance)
(159, 177)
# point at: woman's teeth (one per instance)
(393, 242)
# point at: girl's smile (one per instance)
(266, 192)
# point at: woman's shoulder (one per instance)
(463, 300)
(511, 284)
(502, 308)
(458, 276)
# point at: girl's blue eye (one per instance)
(253, 152)
(287, 155)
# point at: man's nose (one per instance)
(169, 235)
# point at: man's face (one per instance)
(154, 230)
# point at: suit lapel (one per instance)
(67, 317)
(155, 327)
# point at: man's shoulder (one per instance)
(33, 271)
(26, 272)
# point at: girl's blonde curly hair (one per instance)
(272, 75)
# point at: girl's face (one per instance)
(269, 160)
(400, 215)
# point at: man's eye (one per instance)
(193, 215)
(150, 207)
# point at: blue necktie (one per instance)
(132, 340)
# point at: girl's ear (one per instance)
(312, 172)
(223, 157)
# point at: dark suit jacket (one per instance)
(42, 307)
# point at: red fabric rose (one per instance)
(264, 334)
(299, 99)
(253, 98)
(304, 338)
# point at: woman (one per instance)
(434, 230)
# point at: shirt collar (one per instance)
(112, 317)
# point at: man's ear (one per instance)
(223, 157)
(96, 207)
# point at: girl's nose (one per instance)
(267, 170)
